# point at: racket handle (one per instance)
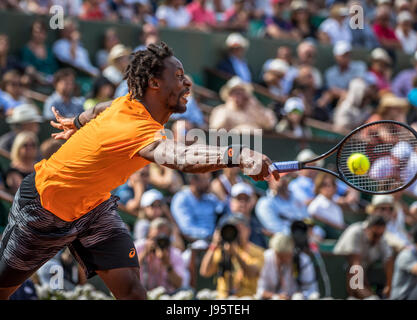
(285, 166)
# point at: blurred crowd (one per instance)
(222, 229)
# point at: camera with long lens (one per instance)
(229, 232)
(163, 241)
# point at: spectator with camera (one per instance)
(236, 261)
(365, 246)
(161, 263)
(285, 273)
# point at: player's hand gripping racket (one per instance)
(376, 158)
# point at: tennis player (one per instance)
(67, 200)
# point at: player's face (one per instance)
(174, 86)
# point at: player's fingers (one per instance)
(275, 174)
(56, 125)
(56, 114)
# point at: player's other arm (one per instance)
(200, 158)
(68, 125)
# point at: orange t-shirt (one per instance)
(96, 159)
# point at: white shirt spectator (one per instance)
(175, 18)
(322, 207)
(113, 74)
(271, 276)
(335, 31)
(409, 43)
(62, 50)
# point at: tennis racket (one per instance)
(390, 147)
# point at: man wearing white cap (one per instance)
(242, 201)
(25, 117)
(293, 123)
(405, 33)
(336, 27)
(234, 63)
(339, 76)
(273, 76)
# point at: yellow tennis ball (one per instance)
(358, 163)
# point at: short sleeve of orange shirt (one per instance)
(96, 159)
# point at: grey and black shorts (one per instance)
(99, 240)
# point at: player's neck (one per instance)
(157, 110)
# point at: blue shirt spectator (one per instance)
(302, 189)
(69, 108)
(195, 210)
(277, 213)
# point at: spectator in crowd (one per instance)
(405, 33)
(173, 14)
(404, 280)
(354, 109)
(161, 263)
(93, 10)
(103, 90)
(302, 187)
(339, 76)
(37, 54)
(202, 17)
(118, 60)
(148, 35)
(8, 62)
(395, 234)
(69, 50)
(306, 54)
(242, 201)
(383, 29)
(324, 210)
(301, 20)
(279, 208)
(390, 108)
(280, 277)
(165, 179)
(223, 184)
(121, 10)
(277, 26)
(365, 246)
(283, 53)
(293, 120)
(380, 68)
(153, 206)
(236, 18)
(110, 40)
(403, 82)
(144, 13)
(40, 7)
(63, 98)
(72, 8)
(234, 63)
(304, 87)
(237, 263)
(131, 192)
(23, 156)
(49, 147)
(195, 210)
(11, 93)
(364, 36)
(336, 27)
(273, 78)
(27, 291)
(24, 117)
(241, 110)
(193, 114)
(64, 265)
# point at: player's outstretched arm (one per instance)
(200, 158)
(67, 125)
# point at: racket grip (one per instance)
(285, 166)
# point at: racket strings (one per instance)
(391, 150)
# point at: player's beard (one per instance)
(179, 107)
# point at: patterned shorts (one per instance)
(99, 240)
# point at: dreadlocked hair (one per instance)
(146, 64)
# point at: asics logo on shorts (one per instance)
(132, 253)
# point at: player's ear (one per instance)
(153, 83)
